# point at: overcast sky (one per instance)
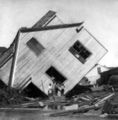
(100, 17)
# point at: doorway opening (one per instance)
(54, 73)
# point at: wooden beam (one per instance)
(52, 27)
(49, 16)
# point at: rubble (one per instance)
(85, 102)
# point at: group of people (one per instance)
(56, 89)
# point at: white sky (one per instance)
(100, 16)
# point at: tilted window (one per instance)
(52, 72)
(80, 52)
(35, 46)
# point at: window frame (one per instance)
(35, 46)
(80, 51)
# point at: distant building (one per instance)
(51, 50)
(93, 75)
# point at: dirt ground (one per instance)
(36, 114)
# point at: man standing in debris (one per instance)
(50, 90)
(62, 89)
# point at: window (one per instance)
(80, 52)
(56, 75)
(35, 46)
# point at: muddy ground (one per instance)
(36, 114)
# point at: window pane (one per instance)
(35, 46)
(80, 52)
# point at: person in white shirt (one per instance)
(50, 90)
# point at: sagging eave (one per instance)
(51, 27)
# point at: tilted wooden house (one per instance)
(51, 50)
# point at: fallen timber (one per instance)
(85, 102)
(37, 105)
(84, 108)
(67, 112)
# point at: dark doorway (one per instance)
(32, 91)
(78, 89)
(58, 77)
(2, 84)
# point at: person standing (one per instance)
(62, 89)
(50, 90)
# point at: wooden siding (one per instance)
(7, 58)
(5, 71)
(56, 53)
(26, 60)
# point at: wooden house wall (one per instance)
(56, 53)
(77, 70)
(26, 60)
(5, 71)
(7, 58)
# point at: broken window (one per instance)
(56, 75)
(35, 46)
(80, 52)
